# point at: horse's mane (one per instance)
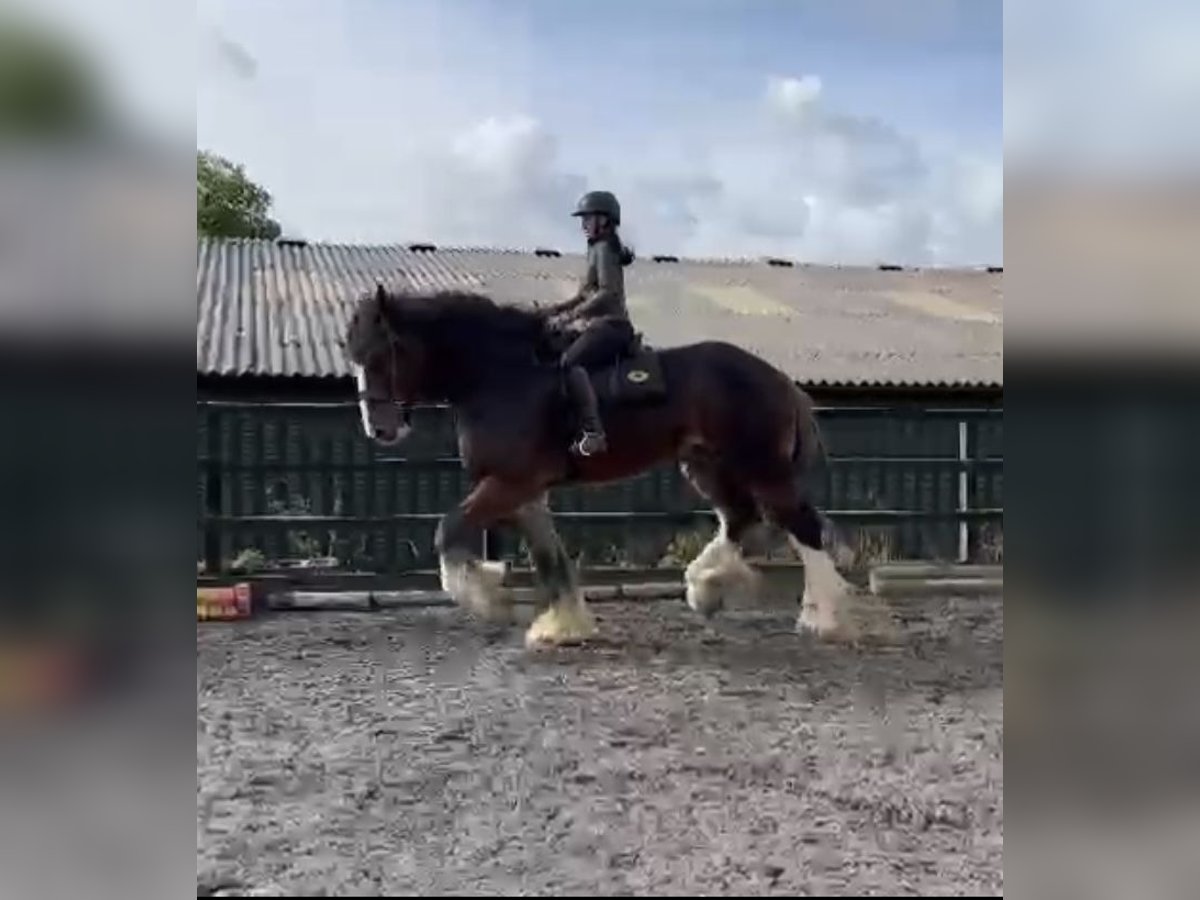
(448, 310)
(459, 324)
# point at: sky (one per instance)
(848, 132)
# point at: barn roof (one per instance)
(281, 308)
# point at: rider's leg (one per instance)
(592, 439)
(597, 344)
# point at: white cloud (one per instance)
(804, 182)
(498, 183)
(793, 97)
(354, 150)
(814, 183)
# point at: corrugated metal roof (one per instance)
(274, 308)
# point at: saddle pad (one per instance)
(636, 379)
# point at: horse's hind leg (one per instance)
(563, 616)
(720, 571)
(828, 605)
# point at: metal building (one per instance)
(906, 367)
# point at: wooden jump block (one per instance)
(224, 603)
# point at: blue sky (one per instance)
(938, 67)
(847, 131)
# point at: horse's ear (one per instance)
(380, 299)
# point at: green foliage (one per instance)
(47, 89)
(685, 546)
(248, 560)
(228, 203)
(872, 546)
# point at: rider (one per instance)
(597, 313)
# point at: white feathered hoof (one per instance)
(823, 623)
(828, 609)
(717, 576)
(478, 587)
(706, 594)
(566, 623)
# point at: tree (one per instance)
(48, 89)
(228, 203)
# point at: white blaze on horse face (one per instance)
(384, 424)
(360, 378)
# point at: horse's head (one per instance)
(389, 361)
(410, 347)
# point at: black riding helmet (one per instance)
(602, 203)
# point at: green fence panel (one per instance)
(299, 480)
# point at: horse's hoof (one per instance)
(705, 597)
(835, 637)
(828, 633)
(537, 643)
(561, 627)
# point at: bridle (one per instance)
(393, 364)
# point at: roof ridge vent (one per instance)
(423, 248)
(547, 252)
(665, 258)
(890, 267)
(780, 263)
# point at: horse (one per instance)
(744, 434)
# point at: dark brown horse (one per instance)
(744, 433)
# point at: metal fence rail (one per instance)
(298, 480)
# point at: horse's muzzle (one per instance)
(389, 435)
(390, 438)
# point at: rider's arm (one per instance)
(568, 305)
(609, 282)
(581, 295)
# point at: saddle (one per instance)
(633, 378)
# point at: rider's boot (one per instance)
(592, 440)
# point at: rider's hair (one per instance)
(624, 251)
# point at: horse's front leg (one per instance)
(473, 583)
(563, 616)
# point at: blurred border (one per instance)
(97, 497)
(1102, 225)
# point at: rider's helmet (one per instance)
(599, 203)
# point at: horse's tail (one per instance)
(808, 449)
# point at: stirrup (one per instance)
(590, 443)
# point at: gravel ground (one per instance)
(416, 752)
